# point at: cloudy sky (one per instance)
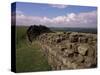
(54, 15)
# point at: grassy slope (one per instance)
(28, 57)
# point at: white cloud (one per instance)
(85, 19)
(58, 6)
(18, 12)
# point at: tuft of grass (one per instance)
(29, 56)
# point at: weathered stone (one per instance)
(88, 59)
(58, 68)
(90, 40)
(58, 40)
(82, 49)
(79, 58)
(90, 52)
(74, 65)
(63, 68)
(64, 61)
(70, 50)
(83, 39)
(69, 65)
(74, 38)
(88, 62)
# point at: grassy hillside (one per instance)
(28, 56)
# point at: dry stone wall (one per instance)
(70, 50)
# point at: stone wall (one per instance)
(69, 50)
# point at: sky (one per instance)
(55, 15)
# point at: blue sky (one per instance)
(35, 9)
(58, 13)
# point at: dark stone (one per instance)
(34, 31)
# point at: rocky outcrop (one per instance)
(34, 31)
(69, 50)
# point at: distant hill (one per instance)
(84, 30)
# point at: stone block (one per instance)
(82, 49)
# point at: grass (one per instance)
(29, 57)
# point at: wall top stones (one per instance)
(70, 50)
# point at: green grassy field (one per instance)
(28, 56)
